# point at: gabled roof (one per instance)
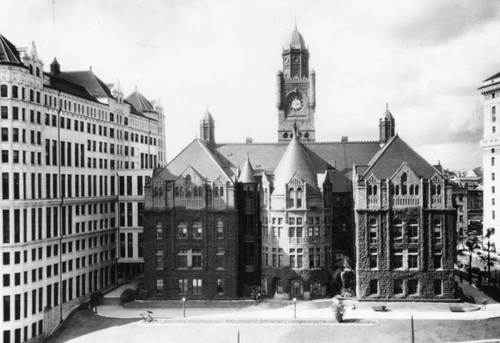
(385, 163)
(165, 175)
(9, 53)
(295, 162)
(89, 81)
(198, 155)
(296, 41)
(140, 102)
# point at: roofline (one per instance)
(379, 153)
(213, 159)
(304, 143)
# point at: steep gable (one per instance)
(390, 159)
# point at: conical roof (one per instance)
(387, 114)
(296, 41)
(8, 52)
(246, 175)
(140, 102)
(207, 117)
(294, 162)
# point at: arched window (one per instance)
(221, 191)
(37, 71)
(299, 197)
(416, 189)
(195, 192)
(411, 189)
(279, 286)
(404, 184)
(438, 190)
(3, 91)
(291, 197)
(266, 194)
(31, 69)
(397, 190)
(370, 190)
(15, 92)
(155, 191)
(375, 190)
(315, 287)
(177, 191)
(200, 193)
(433, 189)
(188, 192)
(216, 192)
(188, 179)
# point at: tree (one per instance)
(471, 244)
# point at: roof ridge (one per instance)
(212, 155)
(285, 143)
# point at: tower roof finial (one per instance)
(386, 105)
(295, 21)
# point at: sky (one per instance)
(423, 58)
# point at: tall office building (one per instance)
(74, 157)
(491, 156)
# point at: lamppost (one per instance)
(294, 308)
(184, 307)
(489, 232)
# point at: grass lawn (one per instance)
(84, 326)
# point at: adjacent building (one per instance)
(74, 157)
(289, 216)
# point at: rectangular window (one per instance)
(159, 285)
(397, 259)
(220, 287)
(413, 258)
(183, 286)
(197, 286)
(398, 286)
(438, 287)
(373, 258)
(412, 287)
(373, 287)
(197, 258)
(438, 259)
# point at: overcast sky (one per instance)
(425, 58)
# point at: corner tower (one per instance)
(296, 94)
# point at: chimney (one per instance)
(249, 140)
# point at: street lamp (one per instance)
(184, 307)
(489, 232)
(294, 308)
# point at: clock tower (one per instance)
(296, 95)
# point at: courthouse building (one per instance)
(222, 219)
(74, 157)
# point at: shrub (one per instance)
(338, 312)
(128, 295)
(95, 298)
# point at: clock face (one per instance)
(287, 60)
(296, 103)
(296, 59)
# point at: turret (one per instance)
(207, 128)
(387, 126)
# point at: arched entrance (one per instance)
(297, 288)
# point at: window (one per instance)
(397, 230)
(3, 91)
(404, 184)
(412, 287)
(220, 287)
(182, 230)
(197, 284)
(436, 228)
(492, 160)
(372, 228)
(315, 287)
(438, 259)
(413, 258)
(493, 114)
(398, 286)
(397, 259)
(279, 286)
(373, 258)
(438, 287)
(413, 230)
(220, 230)
(183, 286)
(197, 230)
(220, 258)
(197, 258)
(159, 230)
(373, 287)
(159, 285)
(159, 259)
